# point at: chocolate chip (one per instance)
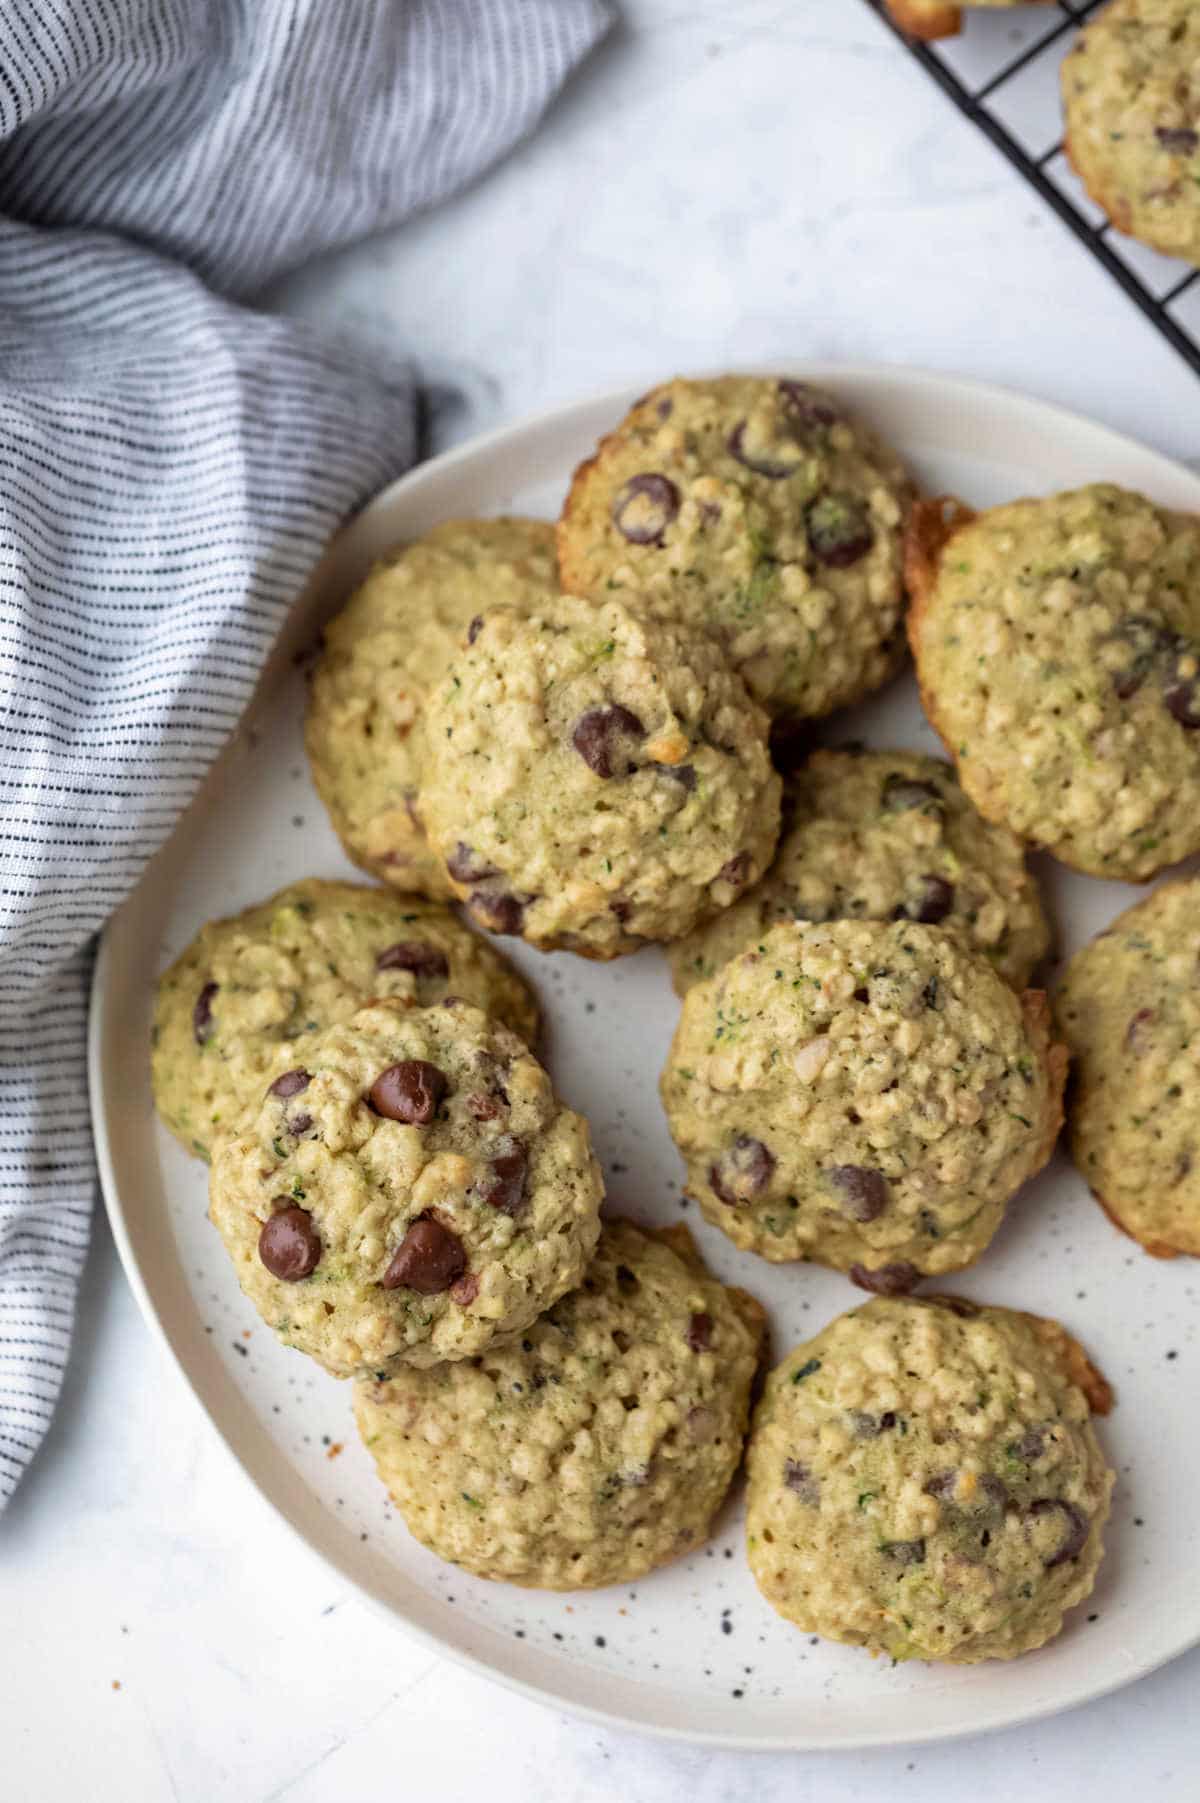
(775, 469)
(627, 1282)
(839, 530)
(1145, 641)
(428, 1260)
(289, 1245)
(1180, 140)
(602, 738)
(499, 913)
(409, 1092)
(701, 1425)
(958, 1305)
(901, 794)
(1031, 1445)
(202, 1014)
(735, 870)
(298, 1123)
(1138, 1034)
(742, 1172)
(699, 1333)
(503, 1187)
(644, 508)
(466, 867)
(989, 1490)
(486, 1107)
(1181, 698)
(1075, 1528)
(474, 629)
(683, 774)
(888, 1280)
(931, 903)
(465, 1290)
(665, 407)
(868, 1426)
(862, 1190)
(422, 959)
(800, 1481)
(905, 1552)
(806, 406)
(290, 1084)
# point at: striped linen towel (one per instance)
(172, 463)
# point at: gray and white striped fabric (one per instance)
(172, 464)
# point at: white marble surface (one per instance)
(723, 183)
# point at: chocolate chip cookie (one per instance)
(884, 835)
(1058, 651)
(865, 1094)
(600, 778)
(925, 1481)
(415, 1191)
(1132, 99)
(759, 510)
(390, 643)
(1129, 1010)
(594, 1449)
(253, 990)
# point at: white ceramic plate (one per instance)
(691, 1651)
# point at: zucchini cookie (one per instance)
(251, 991)
(599, 1446)
(925, 1481)
(884, 835)
(865, 1094)
(1058, 652)
(929, 19)
(390, 643)
(413, 1193)
(758, 510)
(601, 778)
(1131, 90)
(1129, 1010)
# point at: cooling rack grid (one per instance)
(1003, 74)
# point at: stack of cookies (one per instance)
(587, 739)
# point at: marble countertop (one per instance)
(722, 184)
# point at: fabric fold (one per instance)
(173, 464)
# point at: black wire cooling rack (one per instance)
(1003, 73)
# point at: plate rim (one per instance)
(1052, 415)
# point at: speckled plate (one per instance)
(692, 1651)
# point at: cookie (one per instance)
(414, 1192)
(392, 640)
(1132, 102)
(601, 778)
(865, 1094)
(924, 1481)
(883, 835)
(1129, 1010)
(759, 510)
(929, 19)
(253, 990)
(599, 1446)
(1058, 652)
